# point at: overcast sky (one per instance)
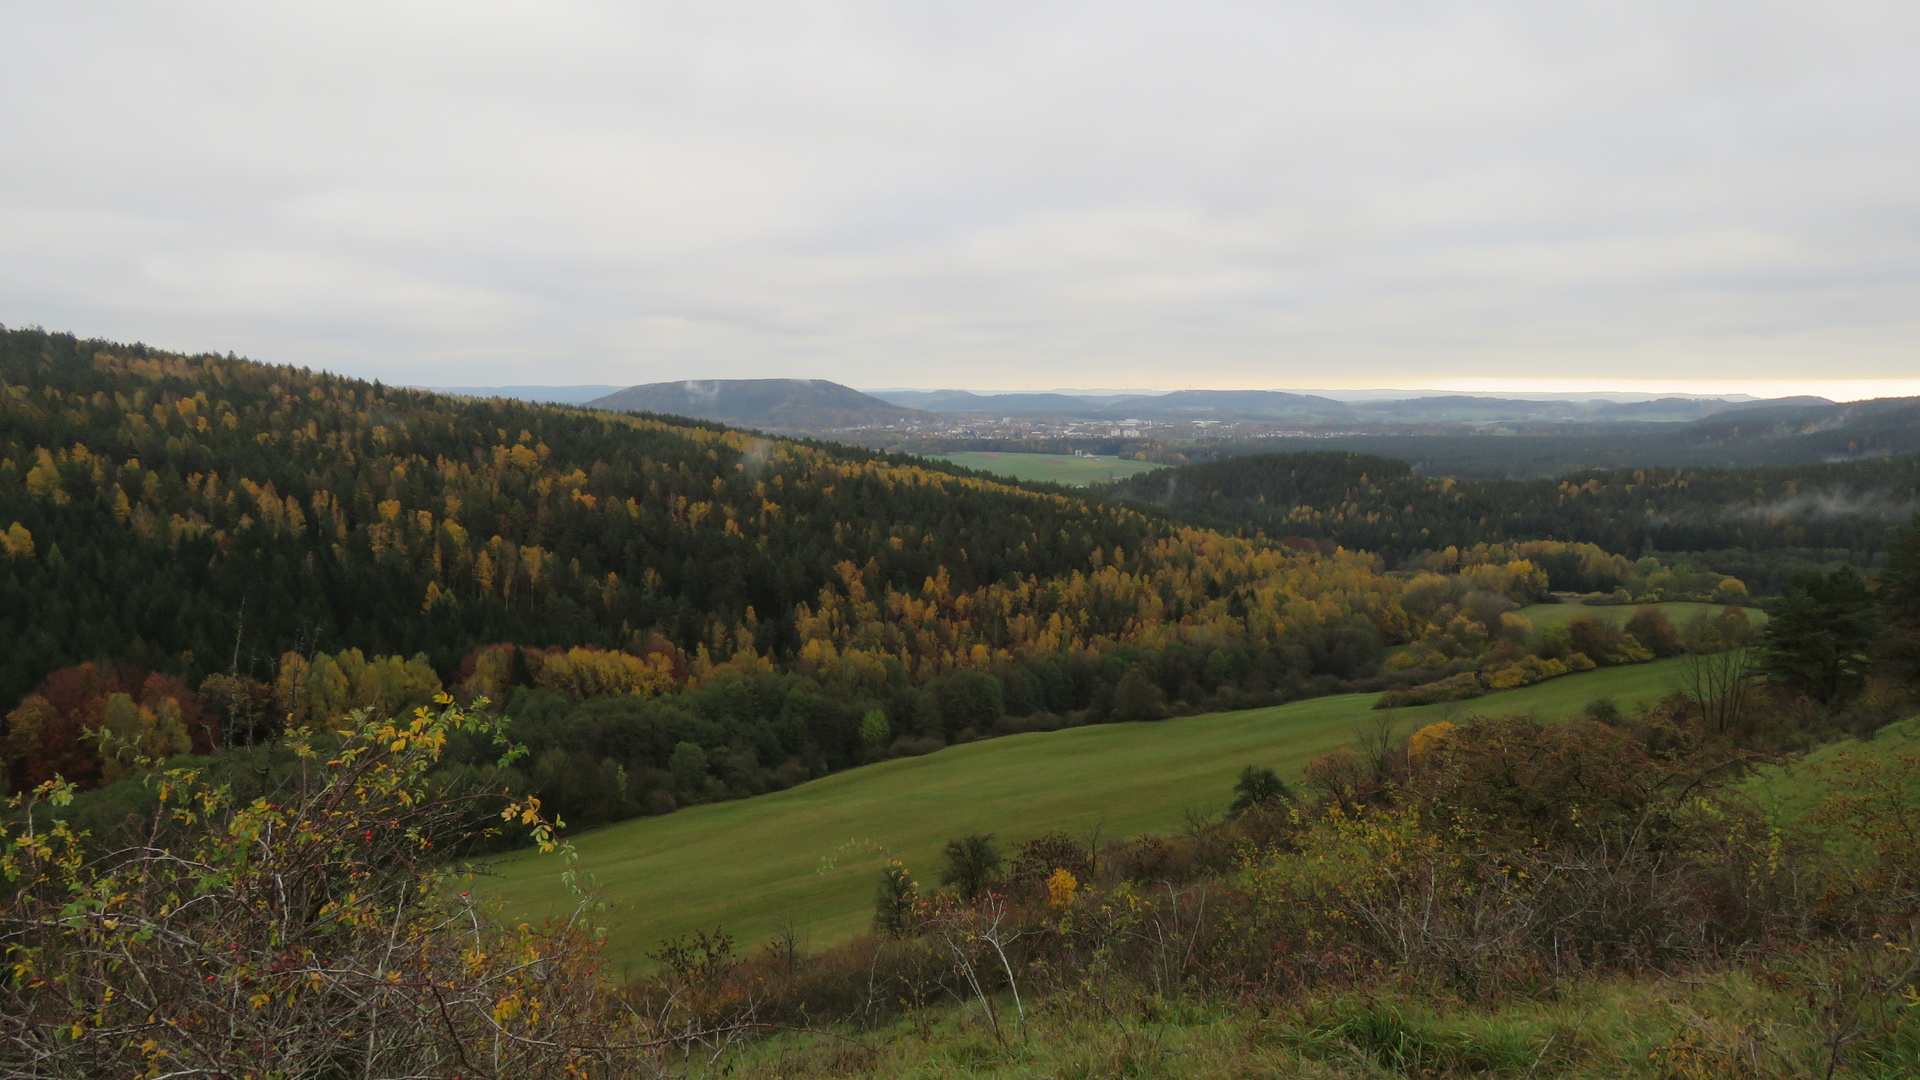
(976, 194)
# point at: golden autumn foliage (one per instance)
(317, 689)
(1195, 587)
(583, 673)
(296, 934)
(16, 542)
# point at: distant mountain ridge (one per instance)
(1281, 405)
(1752, 434)
(815, 405)
(784, 405)
(1178, 405)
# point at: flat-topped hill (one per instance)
(767, 404)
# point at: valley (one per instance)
(751, 541)
(839, 737)
(751, 867)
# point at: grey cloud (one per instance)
(980, 194)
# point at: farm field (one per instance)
(1679, 611)
(811, 853)
(1058, 468)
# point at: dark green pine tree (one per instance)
(1820, 634)
(1899, 598)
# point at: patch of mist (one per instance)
(759, 454)
(1822, 504)
(702, 393)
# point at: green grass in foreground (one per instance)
(748, 865)
(1058, 468)
(1587, 1029)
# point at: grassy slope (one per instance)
(1790, 791)
(747, 865)
(1059, 468)
(1586, 1029)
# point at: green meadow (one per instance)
(1058, 468)
(810, 853)
(1679, 611)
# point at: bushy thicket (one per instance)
(1488, 861)
(303, 925)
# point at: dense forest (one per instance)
(201, 550)
(1671, 891)
(174, 505)
(307, 541)
(1759, 524)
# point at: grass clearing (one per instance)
(811, 853)
(1058, 468)
(1677, 612)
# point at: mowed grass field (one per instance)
(810, 853)
(1678, 612)
(1058, 468)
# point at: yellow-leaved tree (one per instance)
(314, 927)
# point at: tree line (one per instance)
(1762, 525)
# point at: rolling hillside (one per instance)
(1382, 504)
(159, 496)
(1758, 434)
(201, 546)
(745, 866)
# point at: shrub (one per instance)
(1258, 787)
(1035, 861)
(972, 861)
(311, 931)
(1525, 671)
(1604, 643)
(1458, 687)
(1654, 631)
(896, 904)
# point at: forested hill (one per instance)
(173, 505)
(195, 550)
(1379, 504)
(189, 515)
